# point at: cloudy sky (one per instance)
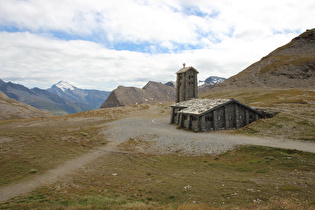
(100, 44)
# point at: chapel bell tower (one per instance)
(186, 83)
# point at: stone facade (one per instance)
(186, 84)
(206, 114)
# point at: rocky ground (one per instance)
(157, 136)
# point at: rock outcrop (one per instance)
(152, 92)
(289, 66)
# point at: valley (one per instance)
(126, 155)
(61, 99)
(131, 158)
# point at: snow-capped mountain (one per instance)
(64, 86)
(209, 83)
(200, 83)
(212, 80)
(93, 98)
(42, 99)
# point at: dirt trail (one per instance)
(53, 175)
(162, 138)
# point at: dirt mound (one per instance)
(289, 66)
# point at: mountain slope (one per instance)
(289, 66)
(12, 109)
(41, 99)
(152, 92)
(92, 98)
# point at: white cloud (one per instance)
(118, 20)
(79, 62)
(223, 36)
(31, 57)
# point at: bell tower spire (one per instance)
(186, 83)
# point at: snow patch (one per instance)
(201, 83)
(64, 86)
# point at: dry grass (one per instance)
(279, 61)
(296, 107)
(44, 143)
(249, 177)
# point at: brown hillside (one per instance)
(12, 109)
(289, 66)
(152, 92)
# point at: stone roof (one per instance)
(198, 106)
(182, 70)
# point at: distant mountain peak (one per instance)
(64, 86)
(214, 79)
(209, 83)
(91, 98)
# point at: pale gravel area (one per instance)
(157, 136)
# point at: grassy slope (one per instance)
(282, 60)
(250, 177)
(44, 143)
(296, 107)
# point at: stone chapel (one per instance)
(206, 114)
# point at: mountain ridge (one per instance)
(289, 66)
(209, 83)
(152, 92)
(92, 98)
(41, 99)
(13, 109)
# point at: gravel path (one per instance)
(158, 136)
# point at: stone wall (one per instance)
(174, 115)
(186, 85)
